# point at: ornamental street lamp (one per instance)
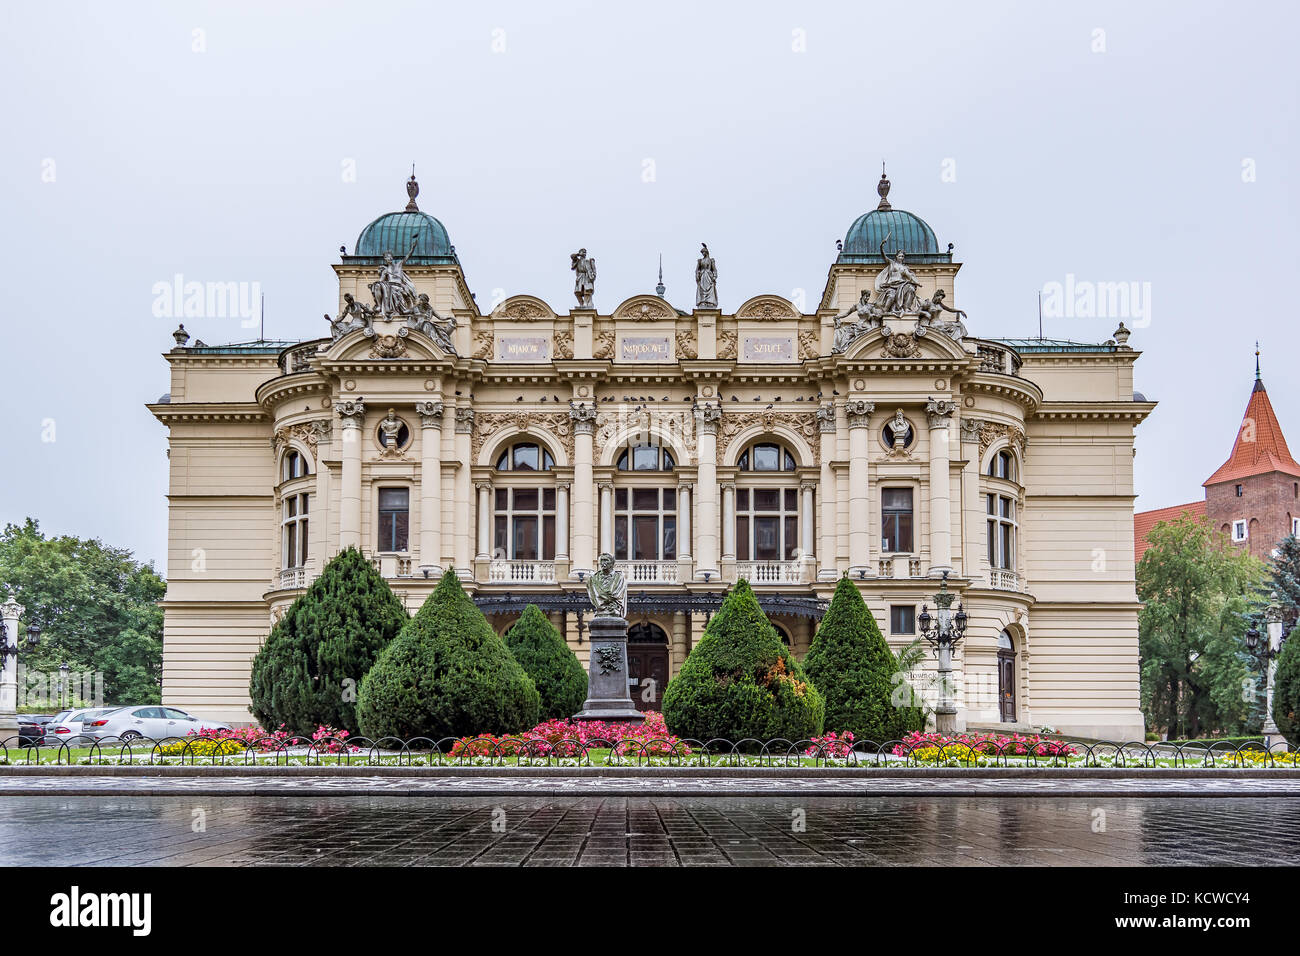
(944, 631)
(10, 612)
(63, 682)
(1277, 636)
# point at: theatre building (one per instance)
(880, 435)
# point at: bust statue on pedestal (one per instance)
(607, 677)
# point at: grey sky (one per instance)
(227, 165)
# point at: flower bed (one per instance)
(990, 745)
(571, 738)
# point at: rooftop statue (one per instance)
(394, 291)
(706, 280)
(584, 281)
(869, 316)
(930, 311)
(435, 326)
(353, 315)
(607, 589)
(896, 284)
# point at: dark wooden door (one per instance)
(1007, 686)
(647, 666)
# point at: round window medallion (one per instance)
(707, 391)
(430, 385)
(392, 434)
(582, 391)
(970, 401)
(859, 385)
(940, 383)
(325, 402)
(350, 385)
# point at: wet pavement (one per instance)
(213, 830)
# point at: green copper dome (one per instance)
(394, 231)
(899, 229)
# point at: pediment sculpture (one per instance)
(395, 298)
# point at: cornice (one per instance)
(1108, 411)
(170, 413)
(1020, 390)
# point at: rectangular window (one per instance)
(767, 524)
(1239, 491)
(902, 619)
(294, 543)
(896, 519)
(394, 518)
(524, 524)
(1239, 531)
(645, 524)
(1001, 532)
(1295, 527)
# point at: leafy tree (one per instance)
(307, 672)
(1285, 590)
(547, 658)
(853, 667)
(1285, 573)
(96, 605)
(1198, 593)
(740, 681)
(1286, 692)
(448, 674)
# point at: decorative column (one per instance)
(826, 493)
(463, 491)
(806, 520)
(562, 521)
(484, 518)
(707, 417)
(318, 551)
(607, 517)
(583, 416)
(1273, 620)
(430, 484)
(10, 612)
(353, 414)
(858, 413)
(939, 412)
(728, 521)
(684, 549)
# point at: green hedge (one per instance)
(308, 671)
(544, 655)
(1286, 692)
(853, 667)
(740, 681)
(448, 674)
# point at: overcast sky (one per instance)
(1144, 143)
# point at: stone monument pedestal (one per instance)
(607, 687)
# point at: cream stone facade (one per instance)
(698, 447)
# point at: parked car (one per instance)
(68, 725)
(156, 723)
(30, 730)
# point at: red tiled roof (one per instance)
(1260, 447)
(1144, 521)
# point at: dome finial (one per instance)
(1257, 378)
(882, 188)
(412, 190)
(660, 289)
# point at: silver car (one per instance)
(152, 721)
(67, 726)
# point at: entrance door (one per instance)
(1006, 678)
(647, 665)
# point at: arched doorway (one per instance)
(647, 664)
(1006, 678)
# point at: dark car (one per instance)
(31, 730)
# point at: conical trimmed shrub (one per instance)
(740, 681)
(546, 657)
(853, 667)
(447, 674)
(308, 671)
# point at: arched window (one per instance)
(1003, 465)
(1006, 678)
(294, 465)
(525, 456)
(766, 456)
(645, 458)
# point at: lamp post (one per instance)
(944, 631)
(10, 612)
(1276, 638)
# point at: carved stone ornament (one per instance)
(464, 421)
(388, 346)
(556, 425)
(970, 429)
(900, 345)
(430, 413)
(482, 344)
(352, 411)
(603, 348)
(524, 311)
(990, 432)
(309, 433)
(808, 343)
(707, 417)
(678, 426)
(727, 341)
(803, 424)
(686, 344)
(353, 315)
(583, 416)
(826, 418)
(563, 344)
(939, 412)
(858, 411)
(767, 308)
(645, 309)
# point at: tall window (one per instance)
(394, 518)
(1001, 531)
(1003, 465)
(295, 465)
(646, 458)
(525, 456)
(645, 524)
(766, 456)
(524, 523)
(1239, 531)
(902, 619)
(767, 524)
(294, 531)
(896, 519)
